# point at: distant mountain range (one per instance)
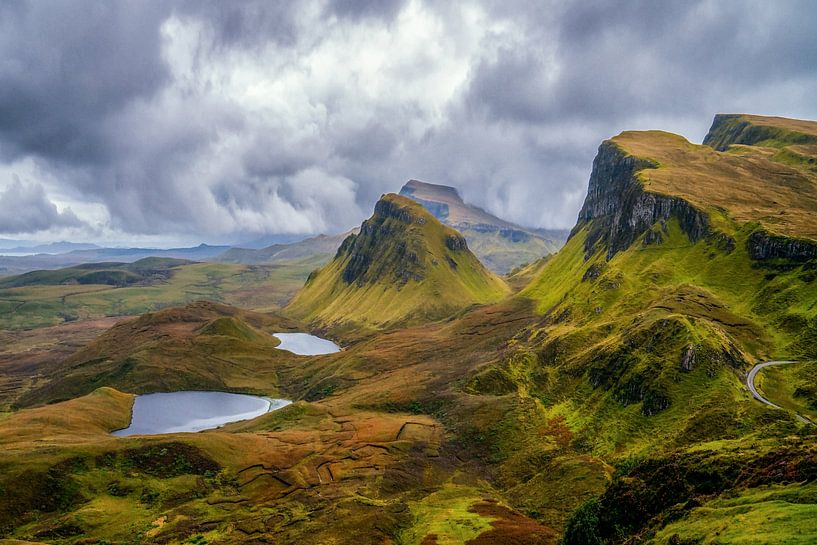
(501, 245)
(50, 248)
(10, 265)
(321, 247)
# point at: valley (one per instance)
(594, 396)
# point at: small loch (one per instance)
(193, 411)
(305, 344)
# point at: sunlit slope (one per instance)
(687, 266)
(403, 267)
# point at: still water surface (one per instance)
(305, 344)
(193, 411)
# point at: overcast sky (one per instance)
(184, 121)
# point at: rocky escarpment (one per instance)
(728, 129)
(375, 253)
(618, 208)
(764, 246)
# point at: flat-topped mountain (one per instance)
(500, 244)
(403, 266)
(642, 177)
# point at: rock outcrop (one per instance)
(618, 208)
(763, 246)
(728, 129)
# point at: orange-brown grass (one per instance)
(749, 186)
(80, 420)
(796, 125)
(28, 357)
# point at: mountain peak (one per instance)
(404, 266)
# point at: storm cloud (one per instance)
(218, 120)
(29, 210)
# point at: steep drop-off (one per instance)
(403, 267)
(686, 266)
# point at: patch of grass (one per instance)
(791, 386)
(780, 514)
(446, 514)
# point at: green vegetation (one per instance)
(783, 514)
(446, 514)
(791, 387)
(44, 298)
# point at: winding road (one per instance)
(750, 383)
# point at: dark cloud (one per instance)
(25, 208)
(213, 118)
(67, 67)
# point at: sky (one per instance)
(185, 121)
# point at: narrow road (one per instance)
(750, 383)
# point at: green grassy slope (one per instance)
(660, 303)
(404, 267)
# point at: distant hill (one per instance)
(10, 265)
(111, 274)
(500, 244)
(320, 248)
(403, 267)
(51, 248)
(202, 345)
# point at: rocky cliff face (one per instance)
(376, 254)
(764, 246)
(618, 208)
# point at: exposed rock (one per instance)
(593, 272)
(456, 242)
(763, 246)
(688, 358)
(621, 210)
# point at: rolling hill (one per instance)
(403, 267)
(500, 244)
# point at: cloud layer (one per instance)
(217, 120)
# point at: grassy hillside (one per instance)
(656, 308)
(202, 346)
(403, 267)
(46, 298)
